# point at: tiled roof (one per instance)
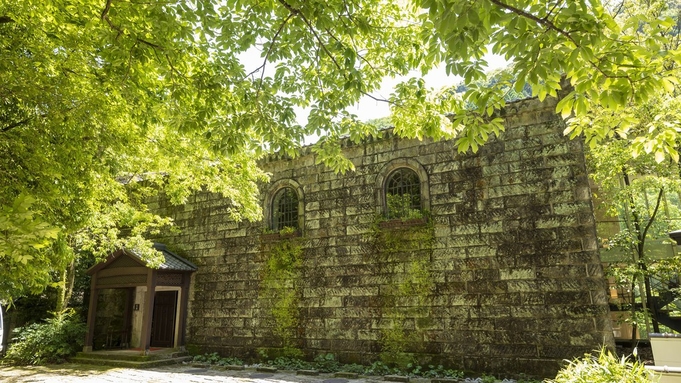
(173, 261)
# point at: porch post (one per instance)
(91, 314)
(145, 338)
(127, 318)
(186, 278)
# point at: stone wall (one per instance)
(503, 276)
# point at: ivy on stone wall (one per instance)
(408, 242)
(280, 288)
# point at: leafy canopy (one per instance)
(97, 96)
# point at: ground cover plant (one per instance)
(600, 367)
(216, 359)
(604, 367)
(328, 363)
(50, 342)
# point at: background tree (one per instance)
(643, 196)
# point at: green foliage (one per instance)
(504, 79)
(643, 195)
(604, 51)
(216, 359)
(326, 363)
(285, 257)
(401, 206)
(354, 367)
(290, 363)
(416, 243)
(49, 342)
(287, 230)
(380, 368)
(104, 104)
(25, 241)
(602, 368)
(394, 340)
(329, 363)
(432, 371)
(409, 238)
(280, 279)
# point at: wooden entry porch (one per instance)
(155, 309)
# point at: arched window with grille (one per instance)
(403, 194)
(285, 209)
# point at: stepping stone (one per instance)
(335, 380)
(266, 369)
(197, 370)
(261, 376)
(307, 372)
(396, 378)
(349, 375)
(232, 367)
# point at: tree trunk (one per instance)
(65, 287)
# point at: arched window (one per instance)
(285, 209)
(403, 194)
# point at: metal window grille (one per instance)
(403, 193)
(285, 209)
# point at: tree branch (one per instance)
(652, 217)
(323, 46)
(312, 30)
(543, 21)
(105, 17)
(551, 26)
(105, 11)
(149, 43)
(269, 49)
(15, 125)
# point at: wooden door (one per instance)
(163, 319)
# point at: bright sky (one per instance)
(368, 108)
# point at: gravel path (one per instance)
(180, 373)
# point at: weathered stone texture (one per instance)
(517, 284)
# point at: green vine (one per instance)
(395, 243)
(279, 286)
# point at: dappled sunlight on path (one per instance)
(179, 373)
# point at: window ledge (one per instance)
(272, 237)
(398, 223)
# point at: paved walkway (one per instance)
(181, 373)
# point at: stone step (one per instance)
(131, 363)
(133, 357)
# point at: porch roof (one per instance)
(173, 261)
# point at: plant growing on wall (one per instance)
(402, 206)
(280, 279)
(415, 244)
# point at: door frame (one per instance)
(176, 326)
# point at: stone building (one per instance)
(483, 262)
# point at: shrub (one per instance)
(49, 342)
(326, 363)
(604, 368)
(214, 358)
(432, 371)
(290, 363)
